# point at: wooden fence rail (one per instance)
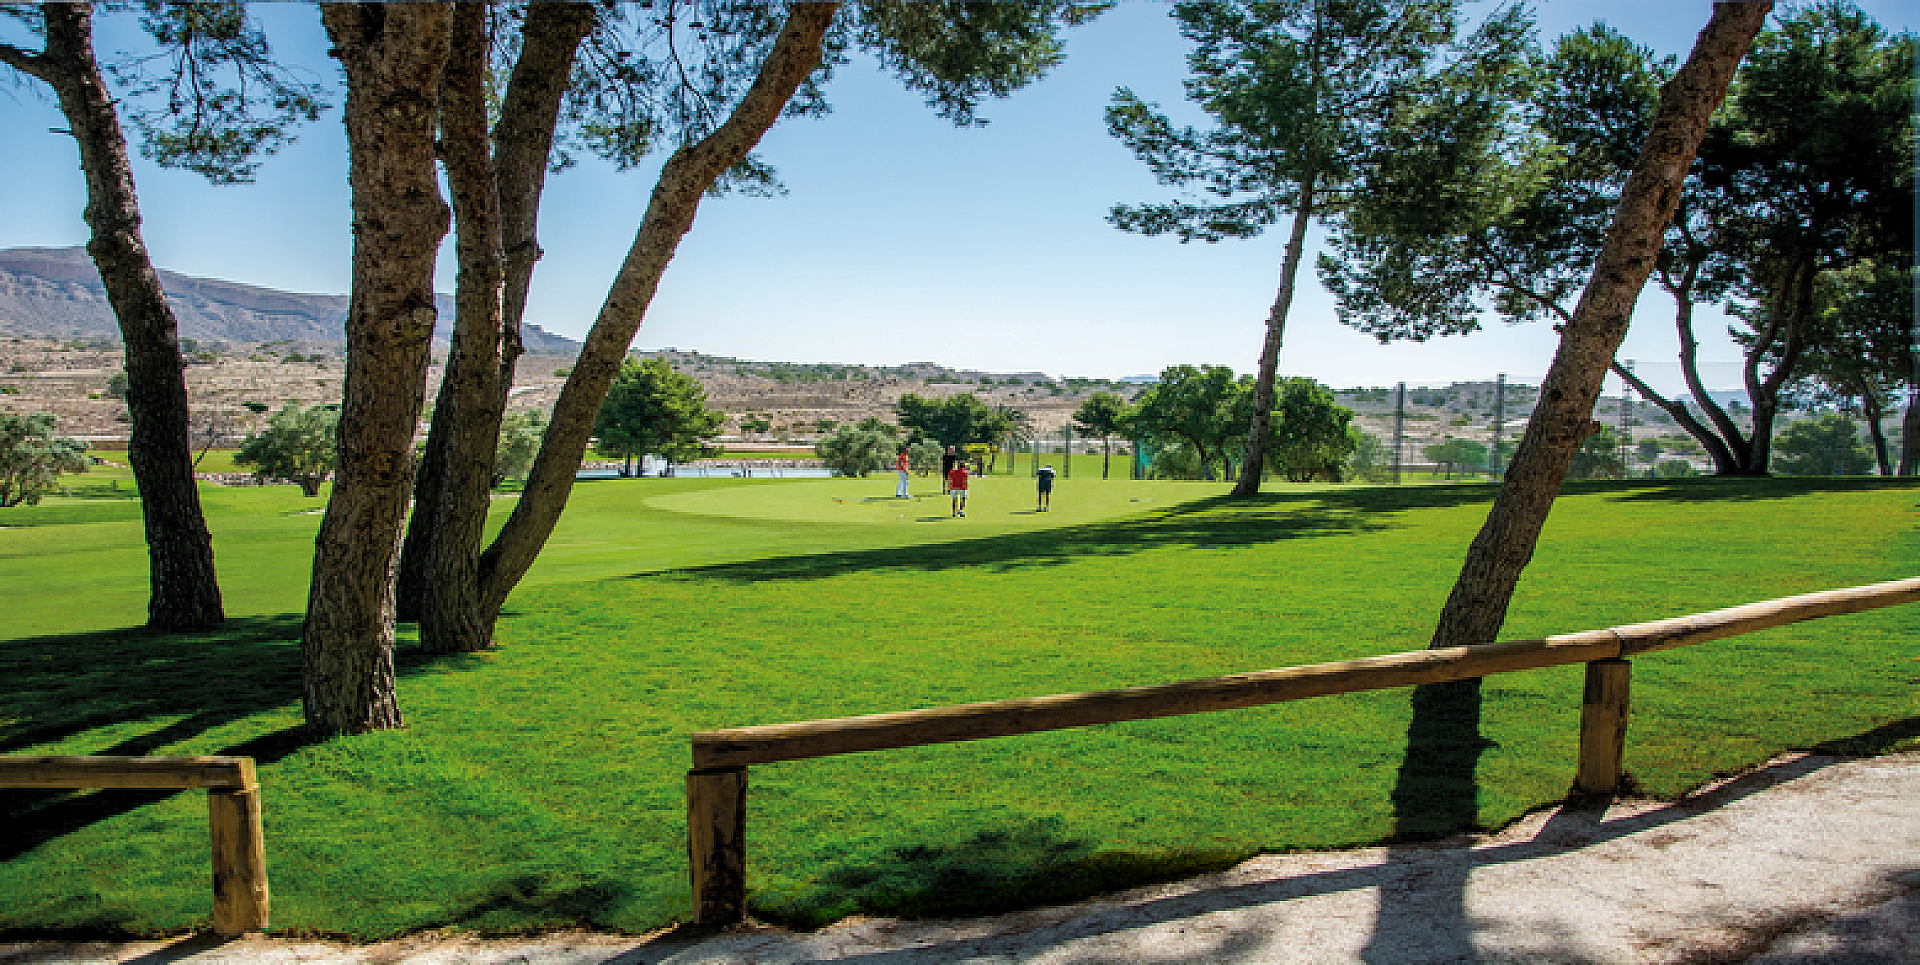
(240, 902)
(717, 784)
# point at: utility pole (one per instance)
(1399, 429)
(1499, 422)
(1626, 429)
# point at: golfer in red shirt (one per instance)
(957, 485)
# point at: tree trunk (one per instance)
(466, 422)
(670, 214)
(522, 142)
(1732, 452)
(184, 590)
(1477, 607)
(1789, 315)
(1262, 426)
(1436, 788)
(1870, 408)
(393, 56)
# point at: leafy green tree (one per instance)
(1370, 461)
(1813, 168)
(925, 455)
(300, 444)
(858, 450)
(1312, 100)
(1103, 415)
(1312, 434)
(955, 420)
(1673, 469)
(1826, 445)
(1204, 408)
(32, 456)
(1456, 454)
(221, 103)
(653, 410)
(519, 442)
(1859, 358)
(1598, 458)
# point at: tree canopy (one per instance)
(1317, 106)
(1826, 445)
(1204, 408)
(1312, 434)
(1777, 201)
(954, 420)
(1103, 415)
(32, 456)
(300, 445)
(653, 410)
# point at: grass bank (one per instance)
(539, 786)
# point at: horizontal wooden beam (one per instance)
(129, 773)
(742, 746)
(1765, 615)
(1005, 718)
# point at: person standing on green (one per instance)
(1044, 480)
(900, 465)
(946, 468)
(957, 487)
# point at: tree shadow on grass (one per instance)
(1735, 488)
(1213, 522)
(175, 687)
(985, 872)
(539, 902)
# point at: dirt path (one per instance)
(1807, 860)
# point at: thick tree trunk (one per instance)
(670, 214)
(1262, 426)
(1477, 607)
(467, 421)
(184, 590)
(393, 56)
(522, 141)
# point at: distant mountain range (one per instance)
(56, 293)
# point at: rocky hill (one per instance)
(56, 293)
(252, 349)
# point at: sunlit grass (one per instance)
(539, 786)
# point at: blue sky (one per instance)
(902, 238)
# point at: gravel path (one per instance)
(1807, 860)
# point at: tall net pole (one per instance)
(1499, 422)
(1399, 429)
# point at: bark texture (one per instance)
(466, 423)
(1477, 607)
(184, 589)
(393, 56)
(670, 213)
(487, 344)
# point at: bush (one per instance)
(854, 451)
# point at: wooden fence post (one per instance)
(1603, 726)
(240, 900)
(717, 844)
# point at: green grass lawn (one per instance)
(540, 786)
